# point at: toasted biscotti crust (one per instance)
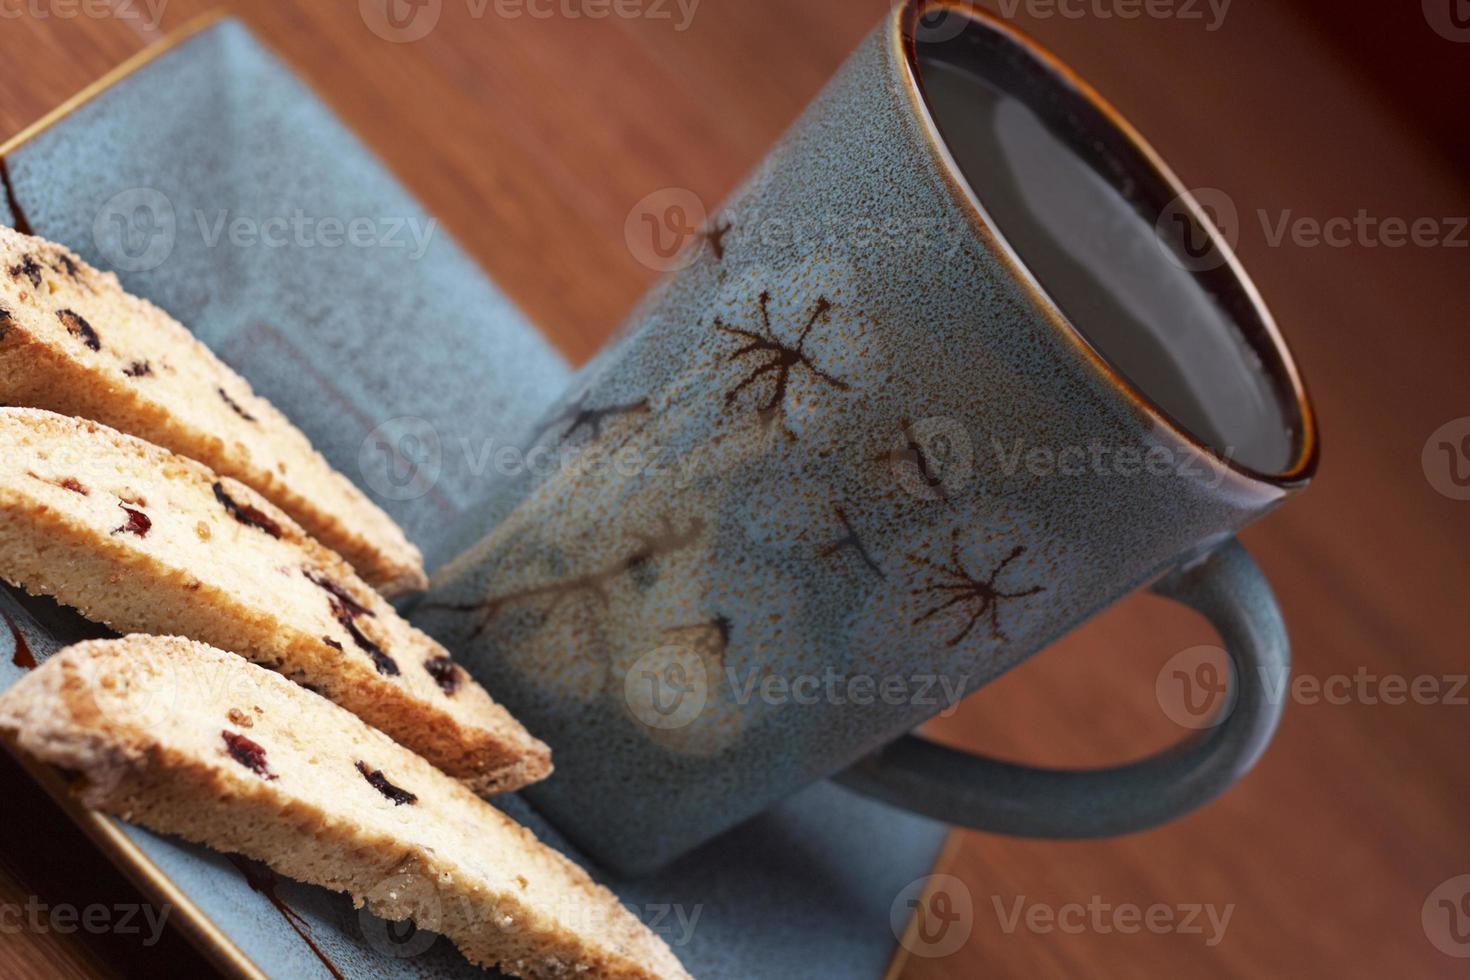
(72, 341)
(188, 740)
(144, 540)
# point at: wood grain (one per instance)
(532, 139)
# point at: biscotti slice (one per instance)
(186, 739)
(72, 341)
(147, 541)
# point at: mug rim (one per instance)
(1263, 336)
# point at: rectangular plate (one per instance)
(363, 347)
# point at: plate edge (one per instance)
(128, 67)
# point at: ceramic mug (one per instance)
(794, 508)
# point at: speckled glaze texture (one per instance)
(737, 477)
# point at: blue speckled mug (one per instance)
(855, 460)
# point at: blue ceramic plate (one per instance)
(202, 171)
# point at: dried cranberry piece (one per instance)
(79, 328)
(346, 610)
(246, 514)
(28, 268)
(137, 523)
(68, 266)
(138, 369)
(235, 406)
(380, 783)
(248, 753)
(445, 673)
(66, 483)
(385, 664)
(338, 591)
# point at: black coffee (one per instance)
(1097, 250)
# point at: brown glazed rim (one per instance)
(1260, 329)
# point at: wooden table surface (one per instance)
(533, 138)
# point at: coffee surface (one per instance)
(1105, 264)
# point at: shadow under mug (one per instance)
(799, 503)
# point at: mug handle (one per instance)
(1002, 797)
